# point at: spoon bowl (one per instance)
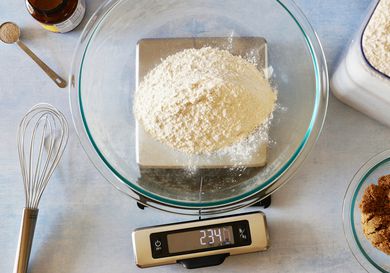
(9, 32)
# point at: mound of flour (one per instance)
(202, 100)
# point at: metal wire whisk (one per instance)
(42, 138)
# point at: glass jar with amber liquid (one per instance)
(57, 15)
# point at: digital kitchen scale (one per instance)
(203, 242)
(117, 48)
(200, 243)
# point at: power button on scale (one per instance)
(157, 247)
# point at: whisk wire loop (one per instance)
(42, 137)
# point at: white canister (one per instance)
(358, 83)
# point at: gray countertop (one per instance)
(85, 224)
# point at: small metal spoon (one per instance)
(15, 39)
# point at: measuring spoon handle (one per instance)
(53, 75)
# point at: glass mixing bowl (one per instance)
(372, 259)
(103, 84)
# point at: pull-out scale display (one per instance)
(200, 243)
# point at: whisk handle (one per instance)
(26, 236)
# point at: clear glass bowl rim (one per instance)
(349, 202)
(248, 198)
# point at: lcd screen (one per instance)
(213, 237)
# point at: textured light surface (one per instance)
(84, 224)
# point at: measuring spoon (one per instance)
(14, 37)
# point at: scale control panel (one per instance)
(200, 243)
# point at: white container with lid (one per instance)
(358, 83)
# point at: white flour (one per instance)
(202, 100)
(376, 38)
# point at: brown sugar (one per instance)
(375, 217)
